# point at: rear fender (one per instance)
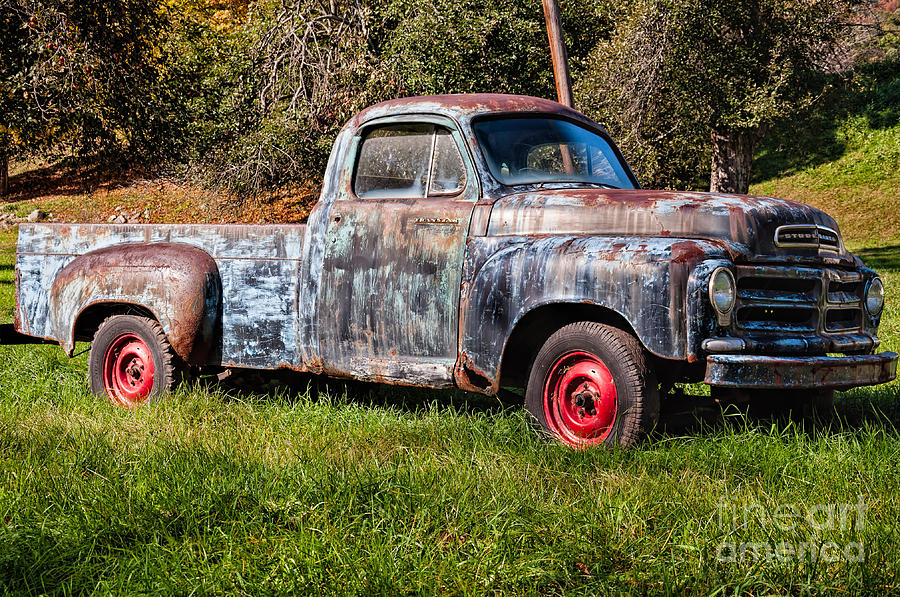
(177, 283)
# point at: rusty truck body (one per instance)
(478, 242)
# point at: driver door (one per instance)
(394, 254)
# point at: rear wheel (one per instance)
(131, 361)
(590, 385)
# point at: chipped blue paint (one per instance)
(258, 265)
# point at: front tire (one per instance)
(590, 385)
(131, 361)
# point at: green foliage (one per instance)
(674, 71)
(888, 38)
(292, 74)
(856, 125)
(249, 94)
(475, 46)
(301, 69)
(89, 76)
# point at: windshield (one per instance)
(524, 150)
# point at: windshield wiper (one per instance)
(601, 185)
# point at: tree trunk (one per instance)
(732, 159)
(4, 174)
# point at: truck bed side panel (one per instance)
(259, 267)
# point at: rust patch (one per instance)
(471, 378)
(470, 103)
(687, 252)
(178, 283)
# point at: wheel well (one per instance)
(89, 320)
(537, 326)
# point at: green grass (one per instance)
(390, 493)
(395, 491)
(844, 158)
(859, 188)
(7, 274)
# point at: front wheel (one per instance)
(131, 360)
(590, 385)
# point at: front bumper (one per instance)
(767, 372)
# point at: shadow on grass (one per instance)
(681, 415)
(856, 411)
(292, 387)
(881, 258)
(67, 178)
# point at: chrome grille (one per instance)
(828, 239)
(808, 236)
(798, 299)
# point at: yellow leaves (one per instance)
(224, 21)
(221, 15)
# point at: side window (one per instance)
(448, 173)
(406, 161)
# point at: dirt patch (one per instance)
(90, 193)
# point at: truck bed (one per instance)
(259, 266)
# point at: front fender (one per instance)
(645, 280)
(176, 282)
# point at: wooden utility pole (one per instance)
(558, 53)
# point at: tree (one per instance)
(88, 76)
(683, 79)
(301, 68)
(470, 46)
(13, 101)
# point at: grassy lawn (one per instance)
(7, 279)
(859, 187)
(393, 491)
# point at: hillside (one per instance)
(844, 158)
(860, 187)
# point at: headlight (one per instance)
(722, 293)
(875, 297)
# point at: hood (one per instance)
(748, 223)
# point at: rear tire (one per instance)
(131, 361)
(590, 385)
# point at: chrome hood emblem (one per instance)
(807, 235)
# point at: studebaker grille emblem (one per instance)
(810, 236)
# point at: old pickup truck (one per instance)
(482, 242)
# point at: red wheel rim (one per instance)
(128, 371)
(580, 399)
